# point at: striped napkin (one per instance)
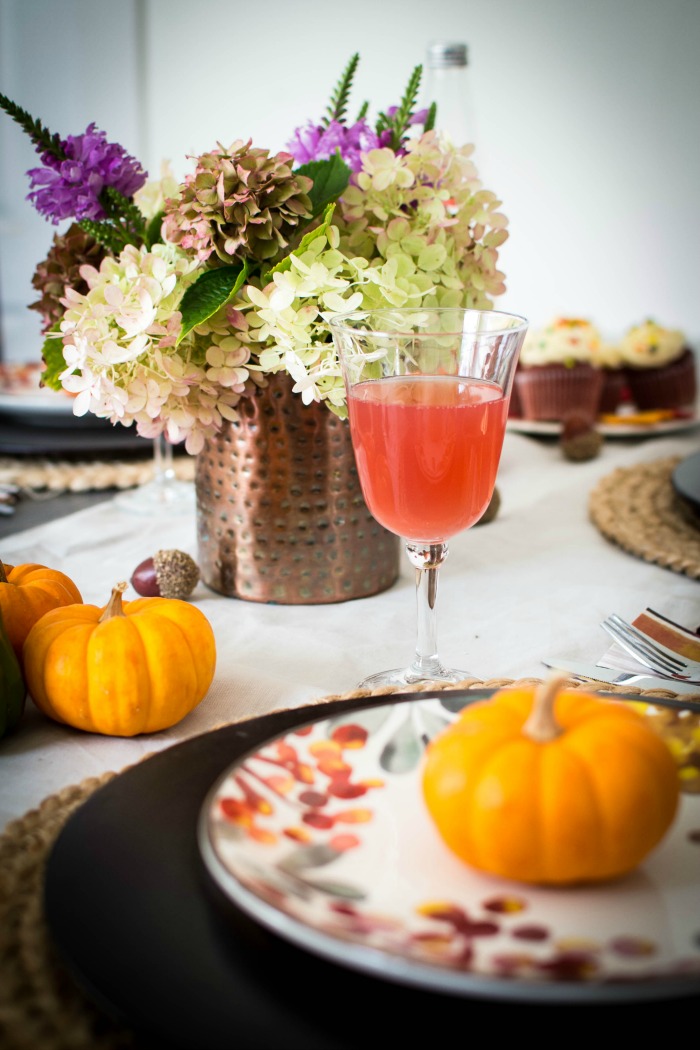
(683, 640)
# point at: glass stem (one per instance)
(426, 559)
(163, 460)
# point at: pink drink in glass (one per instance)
(427, 451)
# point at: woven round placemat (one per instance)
(40, 1006)
(38, 475)
(638, 509)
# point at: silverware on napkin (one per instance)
(594, 673)
(650, 653)
(9, 494)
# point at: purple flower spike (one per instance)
(71, 188)
(315, 142)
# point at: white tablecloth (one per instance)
(533, 584)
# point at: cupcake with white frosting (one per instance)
(660, 366)
(557, 373)
(615, 390)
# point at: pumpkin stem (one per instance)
(114, 606)
(3, 576)
(541, 725)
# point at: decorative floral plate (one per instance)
(322, 835)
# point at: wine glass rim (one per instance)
(343, 321)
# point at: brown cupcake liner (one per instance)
(668, 386)
(553, 392)
(515, 409)
(615, 390)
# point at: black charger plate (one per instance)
(686, 481)
(148, 936)
(18, 439)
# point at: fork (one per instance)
(651, 654)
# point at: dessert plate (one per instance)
(36, 420)
(322, 836)
(23, 400)
(21, 391)
(621, 429)
(25, 406)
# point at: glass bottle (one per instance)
(447, 84)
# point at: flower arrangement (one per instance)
(164, 304)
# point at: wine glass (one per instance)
(164, 491)
(427, 393)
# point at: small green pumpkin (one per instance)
(13, 692)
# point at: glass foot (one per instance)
(171, 495)
(402, 676)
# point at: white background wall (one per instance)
(587, 120)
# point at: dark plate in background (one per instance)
(83, 439)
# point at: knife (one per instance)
(593, 673)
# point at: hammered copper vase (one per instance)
(280, 513)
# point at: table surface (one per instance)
(533, 584)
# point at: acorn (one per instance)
(168, 574)
(580, 440)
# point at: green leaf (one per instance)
(308, 238)
(123, 213)
(152, 235)
(52, 353)
(402, 119)
(42, 138)
(330, 178)
(429, 122)
(209, 293)
(383, 122)
(109, 236)
(338, 105)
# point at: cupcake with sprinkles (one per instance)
(660, 366)
(615, 393)
(557, 374)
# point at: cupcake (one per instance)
(661, 367)
(515, 410)
(615, 390)
(557, 375)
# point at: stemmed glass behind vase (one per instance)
(163, 491)
(427, 392)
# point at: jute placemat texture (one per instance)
(40, 1006)
(638, 509)
(39, 475)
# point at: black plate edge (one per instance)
(688, 488)
(284, 721)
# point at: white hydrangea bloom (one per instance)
(123, 361)
(151, 198)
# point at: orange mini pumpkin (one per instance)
(26, 593)
(125, 669)
(581, 797)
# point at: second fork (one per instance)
(650, 654)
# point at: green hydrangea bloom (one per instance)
(412, 230)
